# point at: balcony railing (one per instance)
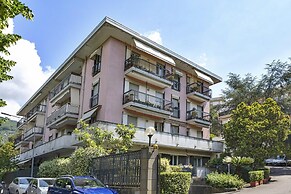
(71, 79)
(146, 66)
(147, 100)
(66, 109)
(34, 130)
(21, 121)
(198, 87)
(94, 101)
(38, 108)
(195, 114)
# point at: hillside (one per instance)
(8, 127)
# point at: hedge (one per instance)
(256, 175)
(175, 182)
(224, 180)
(54, 168)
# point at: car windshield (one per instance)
(87, 183)
(24, 181)
(46, 182)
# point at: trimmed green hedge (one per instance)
(256, 175)
(175, 182)
(224, 180)
(266, 173)
(54, 168)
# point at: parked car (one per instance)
(276, 161)
(39, 185)
(79, 184)
(19, 185)
(2, 185)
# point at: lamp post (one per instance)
(150, 131)
(227, 160)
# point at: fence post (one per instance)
(149, 171)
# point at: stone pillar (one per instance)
(149, 171)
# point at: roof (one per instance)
(128, 31)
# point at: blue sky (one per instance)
(224, 36)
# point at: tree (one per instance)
(7, 152)
(257, 130)
(9, 9)
(275, 83)
(105, 141)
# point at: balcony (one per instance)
(147, 104)
(21, 122)
(147, 72)
(39, 109)
(60, 145)
(198, 118)
(70, 81)
(33, 134)
(66, 115)
(198, 92)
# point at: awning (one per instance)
(88, 114)
(204, 77)
(153, 52)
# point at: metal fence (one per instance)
(121, 170)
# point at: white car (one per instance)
(39, 185)
(278, 161)
(19, 185)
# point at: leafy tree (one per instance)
(257, 130)
(7, 152)
(105, 141)
(9, 9)
(54, 168)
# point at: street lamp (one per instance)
(227, 160)
(150, 131)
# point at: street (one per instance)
(280, 183)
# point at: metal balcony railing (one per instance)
(147, 99)
(21, 121)
(148, 67)
(198, 87)
(71, 79)
(38, 108)
(195, 114)
(34, 130)
(65, 109)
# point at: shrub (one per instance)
(175, 182)
(175, 168)
(165, 165)
(81, 159)
(224, 180)
(266, 173)
(54, 168)
(214, 162)
(256, 175)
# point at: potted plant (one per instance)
(253, 179)
(266, 175)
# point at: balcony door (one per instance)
(134, 88)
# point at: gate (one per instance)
(132, 172)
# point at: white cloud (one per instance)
(28, 75)
(154, 36)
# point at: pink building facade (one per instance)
(117, 76)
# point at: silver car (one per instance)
(39, 185)
(19, 185)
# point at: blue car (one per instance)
(79, 185)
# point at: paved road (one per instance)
(280, 183)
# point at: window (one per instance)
(188, 79)
(195, 161)
(94, 95)
(97, 64)
(200, 112)
(134, 87)
(132, 120)
(57, 135)
(174, 129)
(188, 132)
(176, 108)
(159, 126)
(160, 70)
(200, 87)
(159, 100)
(176, 82)
(182, 160)
(200, 134)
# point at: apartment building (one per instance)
(119, 76)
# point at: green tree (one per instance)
(7, 152)
(257, 130)
(107, 142)
(9, 9)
